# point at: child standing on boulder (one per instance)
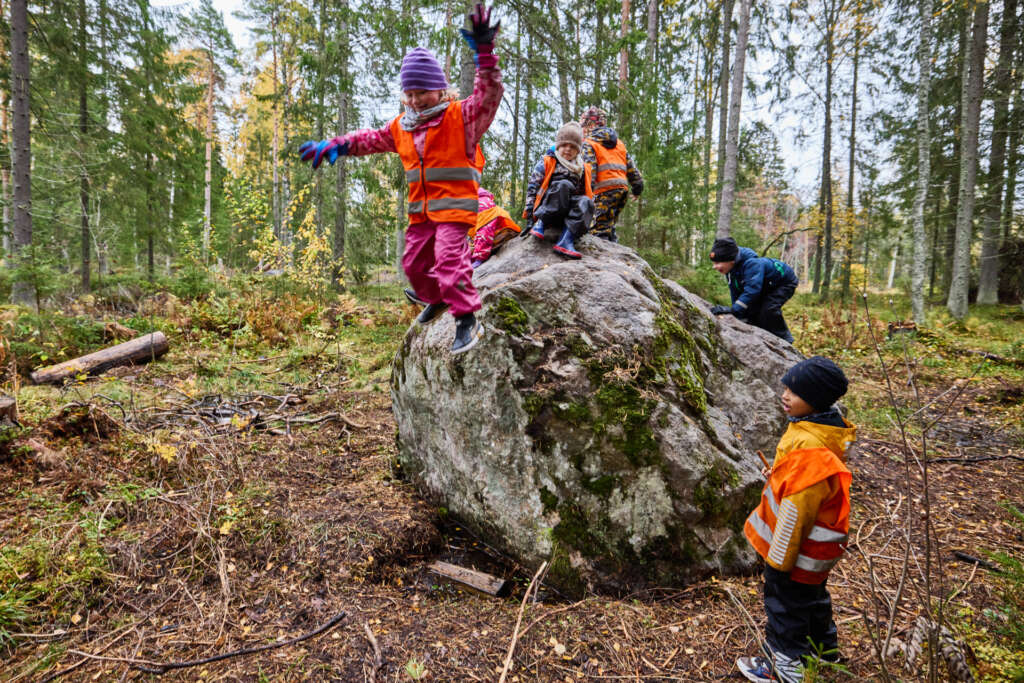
(801, 526)
(559, 195)
(437, 138)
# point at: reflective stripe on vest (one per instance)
(823, 544)
(443, 182)
(610, 166)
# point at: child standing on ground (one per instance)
(801, 526)
(437, 138)
(559, 195)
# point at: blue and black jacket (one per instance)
(752, 277)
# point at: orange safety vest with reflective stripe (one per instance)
(826, 542)
(443, 183)
(495, 212)
(549, 168)
(611, 166)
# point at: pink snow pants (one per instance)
(436, 261)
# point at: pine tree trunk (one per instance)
(708, 108)
(22, 290)
(466, 64)
(208, 174)
(5, 169)
(957, 300)
(527, 165)
(341, 184)
(563, 63)
(825, 250)
(1016, 128)
(723, 94)
(623, 55)
(517, 113)
(728, 183)
(949, 239)
(848, 243)
(988, 279)
(275, 190)
(924, 60)
(83, 130)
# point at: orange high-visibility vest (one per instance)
(826, 542)
(495, 212)
(549, 168)
(611, 166)
(443, 183)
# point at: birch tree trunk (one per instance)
(732, 142)
(623, 57)
(22, 291)
(466, 63)
(924, 62)
(848, 243)
(957, 300)
(5, 170)
(723, 94)
(988, 280)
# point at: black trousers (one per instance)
(562, 208)
(768, 314)
(798, 614)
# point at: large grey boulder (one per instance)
(606, 421)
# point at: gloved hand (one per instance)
(721, 310)
(318, 151)
(480, 37)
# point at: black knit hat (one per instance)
(724, 249)
(818, 381)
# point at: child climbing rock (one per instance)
(759, 287)
(437, 138)
(800, 527)
(559, 195)
(614, 173)
(493, 227)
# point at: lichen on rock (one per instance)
(598, 424)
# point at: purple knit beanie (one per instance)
(420, 71)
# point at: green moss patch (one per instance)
(509, 316)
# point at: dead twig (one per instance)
(378, 659)
(163, 667)
(519, 619)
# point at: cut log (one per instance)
(478, 581)
(135, 352)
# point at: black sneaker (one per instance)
(431, 312)
(413, 299)
(467, 333)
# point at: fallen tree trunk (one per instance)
(139, 350)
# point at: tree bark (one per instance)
(275, 191)
(341, 183)
(924, 61)
(466, 64)
(825, 250)
(949, 239)
(562, 61)
(723, 94)
(957, 300)
(988, 280)
(516, 112)
(848, 241)
(22, 290)
(732, 142)
(83, 131)
(139, 350)
(208, 173)
(623, 55)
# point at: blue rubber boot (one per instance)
(565, 246)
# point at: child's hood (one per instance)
(806, 434)
(605, 135)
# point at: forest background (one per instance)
(153, 149)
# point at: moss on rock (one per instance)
(510, 316)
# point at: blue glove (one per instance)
(480, 37)
(318, 151)
(721, 310)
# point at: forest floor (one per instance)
(240, 492)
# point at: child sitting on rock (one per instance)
(801, 526)
(494, 226)
(559, 195)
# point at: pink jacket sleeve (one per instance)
(369, 141)
(480, 108)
